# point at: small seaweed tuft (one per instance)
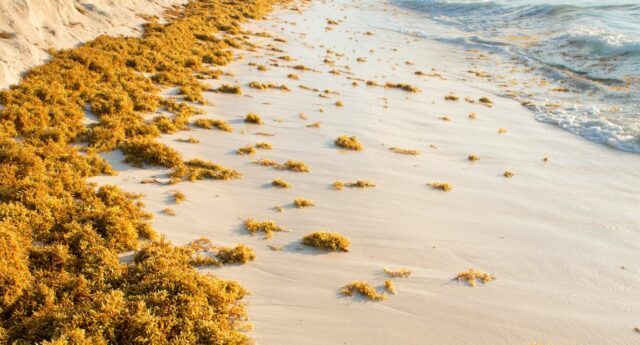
(210, 123)
(398, 272)
(443, 186)
(179, 197)
(302, 203)
(233, 89)
(253, 118)
(473, 158)
(389, 286)
(264, 146)
(508, 174)
(266, 226)
(451, 97)
(472, 276)
(331, 241)
(363, 288)
(280, 183)
(402, 151)
(246, 150)
(349, 143)
(402, 86)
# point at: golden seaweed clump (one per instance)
(302, 203)
(314, 125)
(502, 130)
(61, 236)
(473, 157)
(246, 150)
(472, 276)
(297, 166)
(451, 97)
(404, 151)
(485, 101)
(169, 212)
(233, 89)
(339, 185)
(372, 83)
(197, 169)
(210, 123)
(398, 273)
(266, 226)
(349, 143)
(389, 286)
(331, 241)
(280, 183)
(253, 118)
(265, 86)
(239, 254)
(267, 162)
(264, 146)
(179, 197)
(189, 140)
(443, 186)
(472, 116)
(293, 76)
(401, 86)
(339, 104)
(363, 288)
(508, 174)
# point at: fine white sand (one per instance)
(42, 24)
(561, 237)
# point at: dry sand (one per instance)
(42, 24)
(561, 237)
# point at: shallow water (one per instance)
(591, 48)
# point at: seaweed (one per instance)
(179, 197)
(233, 89)
(443, 186)
(253, 118)
(508, 174)
(302, 203)
(389, 286)
(280, 183)
(363, 288)
(398, 273)
(473, 158)
(472, 276)
(451, 97)
(331, 241)
(268, 227)
(189, 140)
(211, 123)
(264, 145)
(402, 86)
(349, 143)
(247, 150)
(404, 151)
(339, 185)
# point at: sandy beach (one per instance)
(560, 236)
(552, 218)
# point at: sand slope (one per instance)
(41, 24)
(561, 237)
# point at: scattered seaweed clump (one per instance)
(239, 254)
(302, 203)
(314, 125)
(339, 185)
(233, 89)
(402, 86)
(472, 276)
(486, 101)
(145, 150)
(443, 186)
(473, 158)
(264, 145)
(253, 118)
(5, 35)
(451, 97)
(363, 288)
(197, 169)
(502, 130)
(169, 212)
(402, 151)
(246, 150)
(508, 174)
(398, 273)
(267, 226)
(331, 241)
(349, 143)
(389, 286)
(280, 183)
(339, 103)
(265, 86)
(179, 197)
(293, 76)
(189, 140)
(297, 166)
(211, 123)
(472, 116)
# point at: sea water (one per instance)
(590, 48)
